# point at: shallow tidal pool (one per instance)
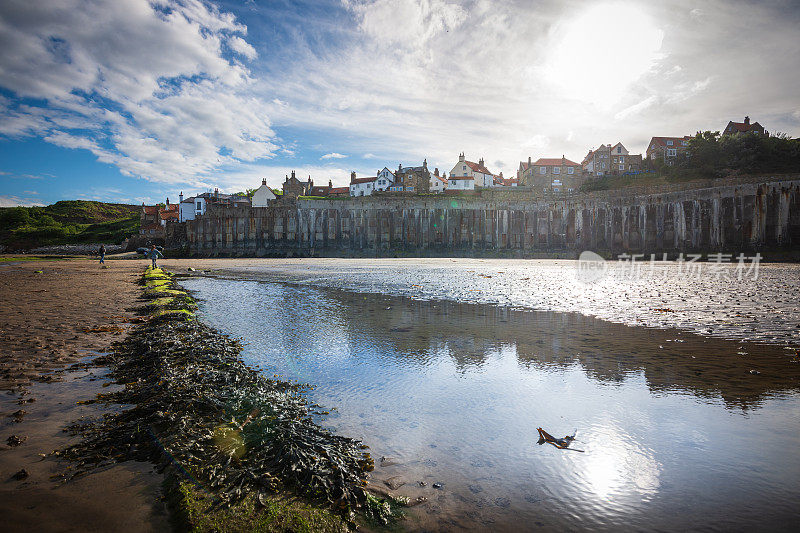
(676, 432)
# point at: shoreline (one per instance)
(67, 307)
(51, 321)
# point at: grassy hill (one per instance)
(67, 222)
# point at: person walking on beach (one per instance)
(102, 254)
(153, 254)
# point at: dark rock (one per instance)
(15, 440)
(755, 372)
(22, 474)
(438, 485)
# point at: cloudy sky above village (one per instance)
(136, 100)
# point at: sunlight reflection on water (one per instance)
(673, 432)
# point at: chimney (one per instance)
(167, 201)
(293, 175)
(425, 163)
(216, 192)
(501, 174)
(352, 176)
(400, 167)
(180, 197)
(529, 160)
(330, 184)
(746, 121)
(480, 161)
(263, 181)
(563, 160)
(461, 157)
(436, 171)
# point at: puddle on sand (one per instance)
(677, 432)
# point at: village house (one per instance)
(555, 175)
(384, 179)
(667, 149)
(362, 186)
(412, 179)
(481, 176)
(263, 195)
(611, 160)
(154, 218)
(438, 183)
(524, 171)
(293, 187)
(744, 127)
(195, 206)
(500, 181)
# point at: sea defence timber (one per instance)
(748, 215)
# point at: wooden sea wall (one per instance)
(728, 218)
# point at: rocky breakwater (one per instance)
(230, 435)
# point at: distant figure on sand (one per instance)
(154, 254)
(102, 253)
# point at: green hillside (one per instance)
(67, 222)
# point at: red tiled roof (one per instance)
(477, 168)
(339, 190)
(164, 215)
(662, 141)
(523, 165)
(150, 209)
(555, 162)
(742, 127)
(363, 180)
(171, 207)
(439, 178)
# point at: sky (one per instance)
(137, 100)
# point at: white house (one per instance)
(384, 180)
(362, 186)
(263, 195)
(460, 183)
(438, 183)
(190, 207)
(482, 177)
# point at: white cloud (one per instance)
(142, 85)
(15, 201)
(498, 79)
(333, 155)
(242, 47)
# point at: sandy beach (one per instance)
(49, 321)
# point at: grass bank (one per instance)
(240, 450)
(67, 222)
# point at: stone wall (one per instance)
(745, 216)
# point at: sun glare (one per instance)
(595, 56)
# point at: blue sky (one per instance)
(137, 100)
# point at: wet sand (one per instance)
(46, 323)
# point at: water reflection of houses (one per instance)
(417, 331)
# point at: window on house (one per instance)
(669, 143)
(556, 170)
(619, 149)
(199, 206)
(464, 167)
(542, 170)
(672, 151)
(622, 159)
(571, 170)
(622, 167)
(685, 143)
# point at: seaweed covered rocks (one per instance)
(197, 406)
